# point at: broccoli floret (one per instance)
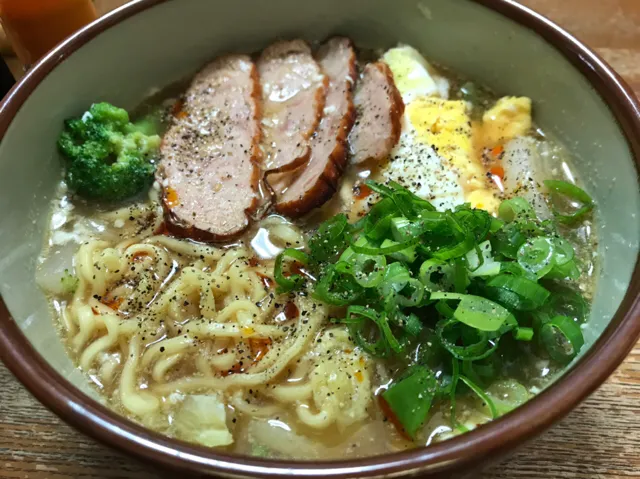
(107, 157)
(69, 282)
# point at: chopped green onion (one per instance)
(444, 309)
(286, 284)
(562, 338)
(476, 311)
(401, 229)
(460, 276)
(430, 222)
(469, 371)
(517, 292)
(420, 203)
(515, 208)
(404, 202)
(569, 190)
(496, 225)
(482, 395)
(375, 224)
(330, 239)
(523, 334)
(568, 271)
(407, 255)
(398, 283)
(384, 251)
(566, 302)
(436, 275)
(507, 395)
(508, 240)
(396, 277)
(348, 253)
(481, 372)
(368, 271)
(463, 241)
(337, 288)
(427, 287)
(482, 264)
(411, 294)
(465, 342)
(410, 323)
(410, 398)
(537, 256)
(563, 250)
(516, 270)
(572, 193)
(455, 377)
(478, 222)
(379, 188)
(355, 321)
(380, 229)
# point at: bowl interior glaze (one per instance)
(172, 39)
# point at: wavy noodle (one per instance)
(69, 325)
(86, 323)
(240, 403)
(283, 233)
(102, 344)
(222, 362)
(161, 319)
(289, 394)
(163, 365)
(109, 366)
(320, 420)
(156, 315)
(133, 399)
(306, 330)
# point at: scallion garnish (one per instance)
(481, 394)
(410, 398)
(562, 338)
(572, 194)
(292, 281)
(516, 292)
(427, 289)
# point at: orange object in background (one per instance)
(35, 26)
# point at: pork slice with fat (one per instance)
(318, 181)
(293, 95)
(210, 156)
(379, 110)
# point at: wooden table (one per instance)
(600, 439)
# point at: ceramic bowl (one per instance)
(152, 43)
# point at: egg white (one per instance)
(414, 163)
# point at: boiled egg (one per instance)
(413, 75)
(439, 156)
(509, 118)
(435, 157)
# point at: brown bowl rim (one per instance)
(481, 445)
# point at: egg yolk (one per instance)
(445, 125)
(509, 118)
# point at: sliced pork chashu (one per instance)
(379, 108)
(210, 156)
(314, 184)
(293, 96)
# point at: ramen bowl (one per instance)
(149, 44)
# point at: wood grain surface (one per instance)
(599, 440)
